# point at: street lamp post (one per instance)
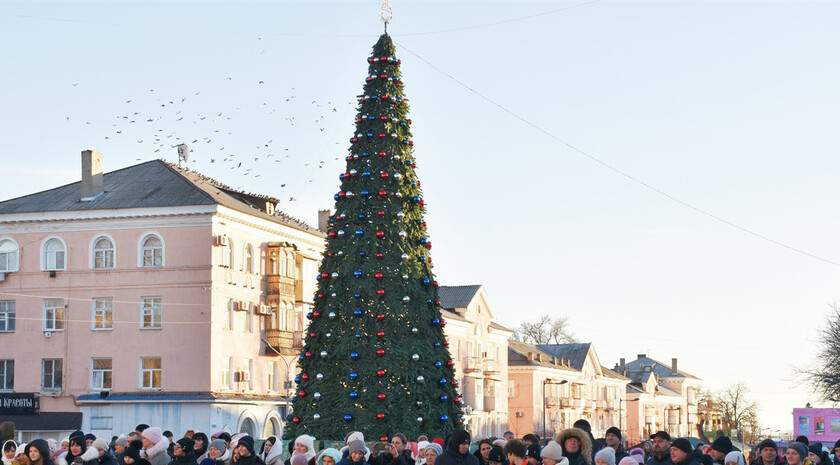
(286, 384)
(545, 403)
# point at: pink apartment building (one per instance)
(150, 294)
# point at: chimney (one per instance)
(622, 366)
(91, 175)
(324, 220)
(638, 356)
(674, 370)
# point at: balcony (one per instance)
(473, 365)
(284, 342)
(489, 403)
(561, 402)
(577, 403)
(491, 367)
(282, 285)
(300, 294)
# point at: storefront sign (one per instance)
(18, 404)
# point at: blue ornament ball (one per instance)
(357, 312)
(354, 355)
(357, 273)
(348, 418)
(358, 336)
(443, 398)
(297, 379)
(438, 364)
(442, 381)
(436, 322)
(357, 295)
(354, 395)
(437, 343)
(289, 417)
(360, 233)
(444, 418)
(354, 375)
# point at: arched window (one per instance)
(247, 427)
(103, 253)
(290, 265)
(8, 255)
(230, 255)
(151, 251)
(248, 259)
(54, 255)
(281, 264)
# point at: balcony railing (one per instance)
(284, 342)
(472, 364)
(562, 402)
(491, 367)
(282, 285)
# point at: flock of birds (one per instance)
(158, 125)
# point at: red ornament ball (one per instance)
(296, 420)
(450, 363)
(380, 317)
(454, 383)
(379, 234)
(302, 393)
(381, 135)
(380, 352)
(380, 291)
(379, 255)
(446, 343)
(380, 372)
(316, 314)
(383, 154)
(384, 439)
(383, 194)
(308, 355)
(381, 396)
(380, 334)
(380, 213)
(378, 275)
(383, 118)
(312, 334)
(305, 376)
(384, 175)
(380, 416)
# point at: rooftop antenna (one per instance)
(385, 14)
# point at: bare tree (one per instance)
(739, 412)
(824, 374)
(546, 331)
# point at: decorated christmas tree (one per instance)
(375, 358)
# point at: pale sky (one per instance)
(732, 107)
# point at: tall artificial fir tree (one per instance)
(375, 358)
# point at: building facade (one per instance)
(479, 348)
(660, 397)
(153, 294)
(550, 386)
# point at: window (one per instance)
(231, 311)
(269, 369)
(51, 374)
(150, 373)
(8, 255)
(249, 318)
(248, 259)
(7, 375)
(54, 314)
(103, 253)
(103, 313)
(54, 256)
(7, 316)
(151, 251)
(101, 374)
(248, 370)
(226, 364)
(150, 309)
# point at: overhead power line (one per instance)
(618, 170)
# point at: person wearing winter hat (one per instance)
(803, 440)
(734, 458)
(638, 455)
(89, 438)
(9, 448)
(20, 455)
(532, 454)
(184, 452)
(356, 450)
(497, 455)
(119, 449)
(104, 450)
(720, 447)
(552, 454)
(273, 451)
(661, 454)
(629, 460)
(605, 456)
(305, 445)
(613, 439)
(217, 453)
(577, 445)
(355, 435)
(683, 454)
(458, 452)
(797, 454)
(245, 450)
(420, 459)
(132, 454)
(328, 456)
(817, 455)
(155, 446)
(79, 452)
(38, 453)
(767, 452)
(433, 452)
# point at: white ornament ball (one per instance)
(340, 253)
(332, 315)
(319, 376)
(402, 234)
(400, 214)
(404, 256)
(397, 176)
(414, 331)
(405, 277)
(323, 354)
(340, 232)
(399, 194)
(317, 395)
(316, 417)
(406, 299)
(329, 334)
(415, 357)
(419, 419)
(421, 379)
(335, 274)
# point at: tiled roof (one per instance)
(45, 421)
(612, 374)
(147, 185)
(660, 369)
(575, 353)
(457, 296)
(518, 355)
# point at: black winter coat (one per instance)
(666, 460)
(107, 459)
(452, 455)
(188, 459)
(693, 458)
(388, 459)
(249, 460)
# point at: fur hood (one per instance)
(582, 436)
(225, 456)
(89, 454)
(309, 442)
(159, 448)
(276, 451)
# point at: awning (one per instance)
(45, 421)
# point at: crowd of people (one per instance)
(573, 446)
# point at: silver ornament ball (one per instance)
(317, 416)
(323, 354)
(421, 379)
(415, 357)
(406, 299)
(319, 376)
(317, 395)
(414, 331)
(332, 315)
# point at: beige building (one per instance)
(479, 347)
(550, 386)
(660, 397)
